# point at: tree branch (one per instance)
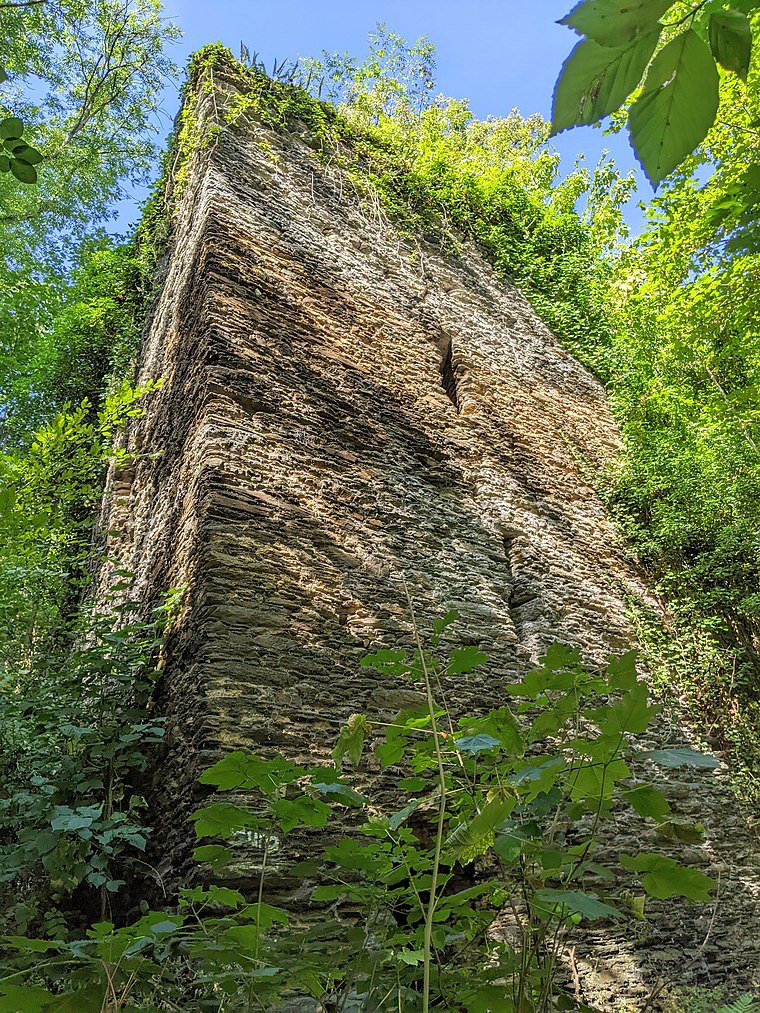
(28, 216)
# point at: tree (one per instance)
(683, 367)
(677, 59)
(85, 79)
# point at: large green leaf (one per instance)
(403, 815)
(677, 107)
(301, 811)
(23, 172)
(388, 662)
(472, 839)
(29, 998)
(574, 902)
(28, 154)
(597, 780)
(664, 878)
(730, 35)
(500, 724)
(629, 714)
(32, 945)
(537, 777)
(615, 22)
(682, 757)
(595, 80)
(344, 794)
(465, 659)
(680, 830)
(621, 672)
(246, 771)
(647, 801)
(476, 743)
(221, 819)
(11, 126)
(439, 625)
(215, 854)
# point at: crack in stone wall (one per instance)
(343, 408)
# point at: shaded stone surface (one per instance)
(345, 414)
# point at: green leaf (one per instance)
(413, 784)
(681, 830)
(647, 801)
(265, 916)
(11, 127)
(411, 957)
(5, 163)
(500, 724)
(349, 854)
(476, 743)
(598, 780)
(587, 905)
(560, 656)
(474, 838)
(351, 740)
(664, 878)
(595, 80)
(66, 819)
(327, 894)
(246, 771)
(28, 154)
(684, 757)
(615, 22)
(164, 928)
(538, 777)
(300, 812)
(730, 35)
(390, 752)
(388, 662)
(677, 107)
(216, 855)
(402, 815)
(25, 999)
(213, 895)
(439, 625)
(621, 672)
(14, 144)
(33, 945)
(465, 659)
(23, 172)
(510, 845)
(3, 75)
(629, 714)
(222, 819)
(342, 792)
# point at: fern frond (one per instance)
(744, 1004)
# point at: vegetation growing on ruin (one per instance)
(467, 895)
(435, 172)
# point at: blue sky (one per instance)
(500, 54)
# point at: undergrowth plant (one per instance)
(76, 732)
(463, 896)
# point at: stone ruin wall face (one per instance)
(344, 413)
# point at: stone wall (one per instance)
(347, 414)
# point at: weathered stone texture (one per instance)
(345, 411)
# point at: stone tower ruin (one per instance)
(347, 415)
